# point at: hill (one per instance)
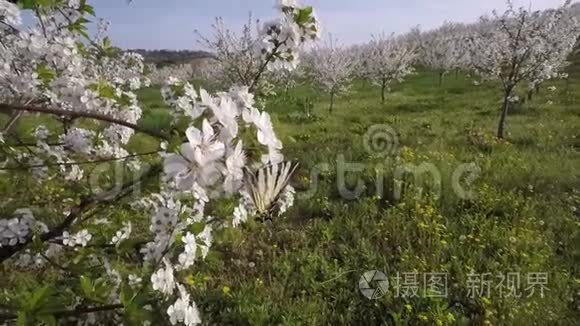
(169, 57)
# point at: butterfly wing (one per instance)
(251, 181)
(266, 185)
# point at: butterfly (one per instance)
(265, 186)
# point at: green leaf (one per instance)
(308, 11)
(45, 74)
(106, 43)
(175, 143)
(46, 3)
(48, 320)
(22, 319)
(127, 296)
(86, 8)
(89, 10)
(87, 286)
(39, 298)
(104, 89)
(84, 34)
(27, 4)
(81, 21)
(303, 16)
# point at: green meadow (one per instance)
(506, 210)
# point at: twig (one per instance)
(80, 114)
(76, 212)
(26, 167)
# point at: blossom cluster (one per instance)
(81, 238)
(44, 65)
(246, 60)
(17, 229)
(87, 89)
(281, 38)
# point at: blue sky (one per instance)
(170, 24)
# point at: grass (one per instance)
(523, 216)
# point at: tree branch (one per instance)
(76, 212)
(104, 160)
(76, 114)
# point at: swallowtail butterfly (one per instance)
(265, 186)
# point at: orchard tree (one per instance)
(247, 59)
(389, 60)
(522, 46)
(437, 54)
(288, 79)
(91, 230)
(443, 49)
(158, 76)
(331, 68)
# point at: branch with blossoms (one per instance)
(245, 60)
(26, 233)
(79, 94)
(8, 108)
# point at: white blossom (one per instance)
(83, 237)
(17, 229)
(134, 280)
(10, 13)
(187, 257)
(183, 310)
(122, 234)
(163, 280)
(240, 215)
(68, 239)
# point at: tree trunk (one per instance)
(530, 94)
(331, 102)
(383, 88)
(440, 79)
(538, 89)
(457, 74)
(504, 113)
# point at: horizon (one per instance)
(132, 27)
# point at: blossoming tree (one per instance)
(76, 188)
(522, 46)
(158, 76)
(332, 69)
(389, 60)
(442, 49)
(246, 59)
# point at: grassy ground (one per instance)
(304, 269)
(523, 216)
